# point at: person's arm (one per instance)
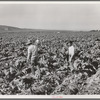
(29, 54)
(71, 54)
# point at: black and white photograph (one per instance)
(50, 48)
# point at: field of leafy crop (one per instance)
(55, 77)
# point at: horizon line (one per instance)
(47, 29)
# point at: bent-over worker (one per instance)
(32, 56)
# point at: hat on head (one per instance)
(37, 41)
(29, 42)
(71, 42)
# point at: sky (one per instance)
(51, 16)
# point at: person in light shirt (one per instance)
(32, 56)
(71, 51)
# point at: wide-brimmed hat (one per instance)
(29, 42)
(37, 41)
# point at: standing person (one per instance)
(32, 56)
(71, 51)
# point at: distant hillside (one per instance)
(4, 28)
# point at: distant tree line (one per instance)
(94, 30)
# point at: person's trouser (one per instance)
(35, 66)
(71, 62)
(32, 69)
(71, 66)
